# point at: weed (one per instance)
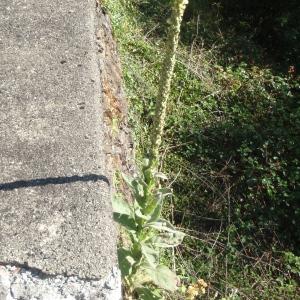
(140, 264)
(230, 149)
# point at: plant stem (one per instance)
(166, 79)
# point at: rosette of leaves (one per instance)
(141, 268)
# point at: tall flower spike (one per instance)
(166, 79)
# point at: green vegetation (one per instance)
(232, 139)
(144, 275)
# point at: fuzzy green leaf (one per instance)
(151, 255)
(162, 225)
(126, 221)
(147, 294)
(155, 208)
(168, 239)
(125, 261)
(163, 277)
(169, 236)
(156, 212)
(138, 188)
(164, 192)
(120, 206)
(128, 180)
(161, 176)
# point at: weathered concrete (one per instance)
(22, 284)
(55, 212)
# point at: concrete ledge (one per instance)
(19, 283)
(55, 211)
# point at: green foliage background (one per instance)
(232, 140)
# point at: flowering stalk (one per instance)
(178, 9)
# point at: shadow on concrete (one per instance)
(51, 180)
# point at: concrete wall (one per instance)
(58, 239)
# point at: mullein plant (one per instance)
(144, 276)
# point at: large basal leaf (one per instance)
(163, 277)
(151, 255)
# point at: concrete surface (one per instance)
(55, 212)
(21, 284)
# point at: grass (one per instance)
(215, 137)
